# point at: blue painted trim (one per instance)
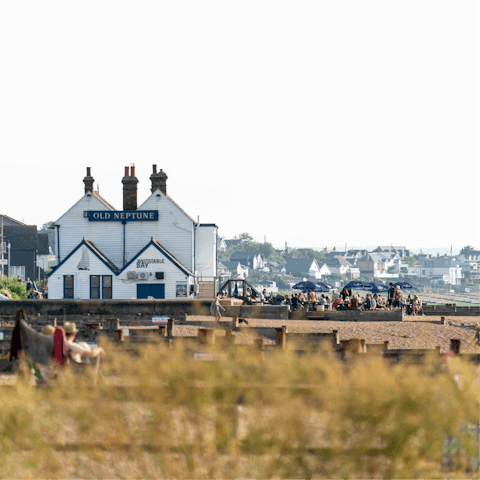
(83, 242)
(162, 250)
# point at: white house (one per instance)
(155, 250)
(439, 269)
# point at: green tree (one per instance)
(466, 250)
(47, 228)
(410, 260)
(16, 289)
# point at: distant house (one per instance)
(222, 245)
(439, 269)
(28, 249)
(338, 265)
(400, 250)
(223, 273)
(237, 269)
(250, 260)
(308, 267)
(380, 265)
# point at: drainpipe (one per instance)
(58, 242)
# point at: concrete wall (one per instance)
(473, 311)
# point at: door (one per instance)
(155, 290)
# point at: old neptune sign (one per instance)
(121, 216)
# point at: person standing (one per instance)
(390, 295)
(215, 309)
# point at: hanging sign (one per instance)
(121, 216)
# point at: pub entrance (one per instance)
(155, 290)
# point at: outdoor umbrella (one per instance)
(322, 287)
(3, 297)
(355, 285)
(374, 288)
(404, 285)
(304, 286)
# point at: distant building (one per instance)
(155, 250)
(28, 249)
(306, 266)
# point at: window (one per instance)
(95, 287)
(17, 272)
(4, 247)
(68, 286)
(105, 286)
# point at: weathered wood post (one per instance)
(119, 335)
(281, 337)
(455, 345)
(229, 337)
(170, 325)
(235, 321)
(206, 336)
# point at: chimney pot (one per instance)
(88, 181)
(132, 171)
(129, 190)
(159, 180)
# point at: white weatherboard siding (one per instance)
(107, 236)
(172, 274)
(81, 279)
(122, 287)
(174, 230)
(206, 251)
(111, 247)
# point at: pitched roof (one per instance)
(103, 200)
(300, 264)
(162, 250)
(95, 251)
(22, 237)
(338, 261)
(42, 244)
(10, 221)
(231, 264)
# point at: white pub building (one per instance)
(155, 250)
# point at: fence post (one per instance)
(170, 325)
(281, 336)
(235, 321)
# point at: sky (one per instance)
(315, 123)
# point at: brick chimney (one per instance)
(129, 189)
(159, 180)
(88, 181)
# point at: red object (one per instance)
(132, 171)
(60, 348)
(126, 171)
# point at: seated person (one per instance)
(337, 302)
(380, 304)
(296, 301)
(354, 303)
(78, 351)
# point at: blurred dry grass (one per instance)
(282, 416)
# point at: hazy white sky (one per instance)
(311, 122)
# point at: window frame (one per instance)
(72, 287)
(107, 288)
(98, 287)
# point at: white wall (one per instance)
(122, 288)
(172, 274)
(206, 251)
(81, 279)
(107, 236)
